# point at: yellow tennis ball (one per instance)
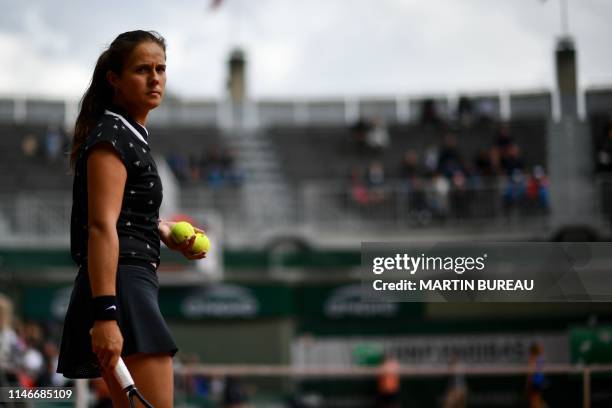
(181, 231)
(200, 244)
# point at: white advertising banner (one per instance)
(478, 349)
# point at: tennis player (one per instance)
(115, 227)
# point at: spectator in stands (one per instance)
(231, 175)
(49, 377)
(33, 362)
(216, 168)
(438, 200)
(431, 159)
(514, 191)
(485, 111)
(359, 130)
(179, 166)
(409, 167)
(375, 174)
(537, 189)
(465, 111)
(484, 181)
(359, 191)
(449, 159)
(418, 202)
(459, 195)
(375, 179)
(504, 138)
(195, 168)
(503, 141)
(604, 151)
(212, 167)
(484, 163)
(53, 143)
(29, 145)
(377, 138)
(66, 142)
(227, 160)
(429, 113)
(411, 182)
(10, 345)
(512, 160)
(604, 165)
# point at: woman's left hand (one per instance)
(165, 234)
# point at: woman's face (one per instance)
(140, 87)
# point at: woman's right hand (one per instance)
(107, 343)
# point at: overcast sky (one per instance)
(309, 48)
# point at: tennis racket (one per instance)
(127, 383)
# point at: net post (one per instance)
(586, 387)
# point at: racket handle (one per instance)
(123, 375)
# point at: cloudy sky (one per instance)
(309, 48)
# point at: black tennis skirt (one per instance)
(140, 320)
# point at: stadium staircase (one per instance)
(266, 195)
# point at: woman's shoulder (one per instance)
(107, 129)
(107, 125)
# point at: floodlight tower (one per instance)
(570, 155)
(236, 84)
(238, 107)
(565, 62)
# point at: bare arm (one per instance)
(106, 178)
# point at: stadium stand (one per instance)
(302, 289)
(310, 153)
(296, 167)
(18, 172)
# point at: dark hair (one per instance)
(100, 93)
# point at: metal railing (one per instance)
(35, 215)
(397, 204)
(250, 377)
(249, 373)
(392, 206)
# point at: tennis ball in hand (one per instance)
(181, 231)
(200, 244)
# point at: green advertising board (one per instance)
(219, 301)
(45, 302)
(338, 309)
(226, 301)
(591, 345)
